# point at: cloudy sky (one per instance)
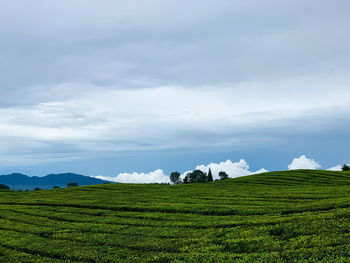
(109, 87)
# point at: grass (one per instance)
(292, 216)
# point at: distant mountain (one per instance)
(19, 181)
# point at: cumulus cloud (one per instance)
(260, 171)
(303, 163)
(335, 168)
(156, 176)
(234, 170)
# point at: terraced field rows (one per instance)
(273, 217)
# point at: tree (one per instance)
(346, 167)
(37, 189)
(175, 177)
(223, 175)
(186, 180)
(4, 187)
(72, 184)
(197, 176)
(55, 187)
(210, 176)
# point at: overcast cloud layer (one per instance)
(87, 79)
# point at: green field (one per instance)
(294, 216)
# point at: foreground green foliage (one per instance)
(297, 216)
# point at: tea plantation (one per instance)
(292, 216)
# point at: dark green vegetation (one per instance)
(223, 175)
(4, 187)
(346, 167)
(210, 176)
(197, 176)
(72, 184)
(175, 177)
(296, 216)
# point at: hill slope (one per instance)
(289, 216)
(19, 181)
(298, 178)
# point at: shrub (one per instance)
(4, 187)
(346, 167)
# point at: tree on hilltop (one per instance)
(210, 176)
(223, 175)
(186, 180)
(197, 176)
(346, 167)
(175, 177)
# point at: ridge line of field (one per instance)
(86, 242)
(205, 226)
(170, 211)
(45, 254)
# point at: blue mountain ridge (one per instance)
(18, 181)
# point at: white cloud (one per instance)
(156, 176)
(234, 170)
(335, 168)
(303, 163)
(237, 169)
(260, 171)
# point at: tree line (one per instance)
(197, 176)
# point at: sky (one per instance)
(142, 88)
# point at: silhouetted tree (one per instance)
(186, 180)
(55, 187)
(37, 189)
(175, 177)
(210, 176)
(223, 175)
(72, 184)
(4, 187)
(197, 176)
(346, 167)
